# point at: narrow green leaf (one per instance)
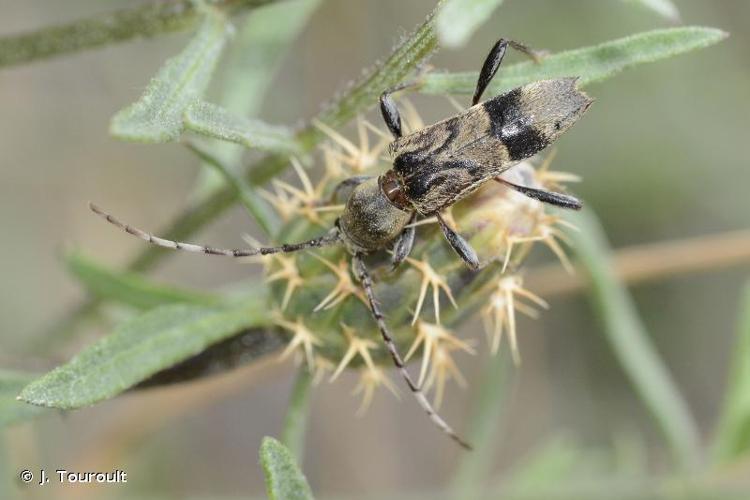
(6, 485)
(147, 20)
(544, 469)
(295, 422)
(284, 480)
(140, 347)
(665, 8)
(630, 342)
(252, 62)
(13, 411)
(733, 434)
(591, 64)
(214, 121)
(157, 115)
(258, 209)
(130, 288)
(458, 19)
(487, 418)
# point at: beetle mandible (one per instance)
(433, 168)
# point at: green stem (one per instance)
(144, 21)
(732, 436)
(486, 420)
(252, 202)
(631, 344)
(295, 423)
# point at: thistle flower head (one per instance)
(499, 313)
(302, 340)
(357, 347)
(436, 341)
(500, 223)
(430, 278)
(344, 288)
(372, 377)
(358, 157)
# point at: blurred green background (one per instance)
(663, 156)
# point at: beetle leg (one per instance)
(404, 243)
(389, 110)
(493, 61)
(390, 113)
(365, 279)
(459, 244)
(557, 199)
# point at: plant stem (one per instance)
(295, 423)
(486, 420)
(652, 261)
(631, 344)
(732, 435)
(253, 203)
(147, 20)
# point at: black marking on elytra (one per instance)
(453, 131)
(510, 124)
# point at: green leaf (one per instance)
(665, 8)
(130, 288)
(591, 64)
(13, 411)
(630, 341)
(458, 19)
(214, 121)
(252, 61)
(157, 115)
(733, 434)
(284, 480)
(140, 347)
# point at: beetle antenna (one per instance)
(330, 238)
(366, 280)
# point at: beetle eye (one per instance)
(392, 189)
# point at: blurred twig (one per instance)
(147, 20)
(652, 261)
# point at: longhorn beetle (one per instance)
(433, 168)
